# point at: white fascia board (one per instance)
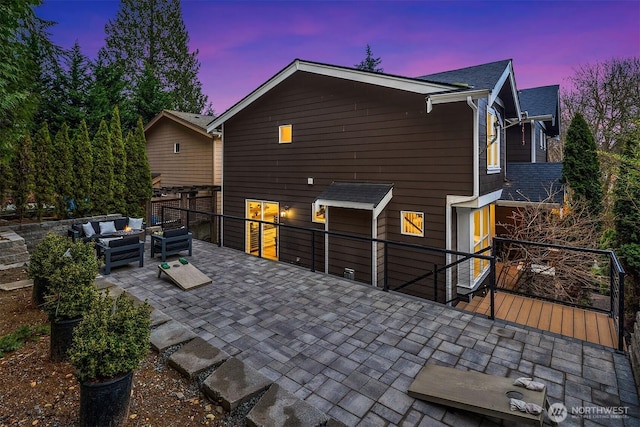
(383, 203)
(345, 204)
(480, 201)
(444, 98)
(506, 75)
(378, 79)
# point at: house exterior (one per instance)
(178, 142)
(414, 160)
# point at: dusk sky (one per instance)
(244, 43)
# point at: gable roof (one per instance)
(420, 86)
(543, 102)
(533, 182)
(194, 121)
(484, 76)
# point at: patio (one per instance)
(352, 351)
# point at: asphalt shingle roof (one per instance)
(538, 101)
(199, 120)
(533, 182)
(356, 192)
(483, 76)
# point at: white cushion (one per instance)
(107, 227)
(135, 223)
(88, 229)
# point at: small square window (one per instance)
(176, 147)
(412, 223)
(320, 214)
(285, 134)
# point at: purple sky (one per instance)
(244, 43)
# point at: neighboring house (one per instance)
(415, 160)
(184, 158)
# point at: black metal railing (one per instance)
(417, 270)
(590, 279)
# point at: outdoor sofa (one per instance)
(92, 231)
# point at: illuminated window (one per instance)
(285, 134)
(493, 140)
(483, 232)
(176, 147)
(320, 214)
(412, 223)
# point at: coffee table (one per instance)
(186, 276)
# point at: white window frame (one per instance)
(493, 154)
(176, 148)
(468, 278)
(280, 129)
(406, 233)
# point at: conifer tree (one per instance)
(581, 169)
(83, 168)
(75, 81)
(139, 186)
(106, 90)
(63, 171)
(102, 173)
(119, 163)
(43, 176)
(369, 63)
(149, 37)
(22, 170)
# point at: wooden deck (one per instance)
(585, 325)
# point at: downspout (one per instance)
(451, 199)
(221, 237)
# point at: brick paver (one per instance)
(351, 350)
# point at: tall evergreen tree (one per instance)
(119, 163)
(43, 177)
(63, 171)
(139, 186)
(102, 174)
(150, 35)
(369, 63)
(106, 90)
(83, 169)
(20, 28)
(149, 99)
(76, 81)
(581, 169)
(22, 169)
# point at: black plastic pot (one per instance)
(105, 403)
(61, 338)
(40, 286)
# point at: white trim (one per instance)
(480, 201)
(445, 98)
(358, 205)
(378, 79)
(176, 148)
(374, 252)
(280, 141)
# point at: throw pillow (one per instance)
(135, 223)
(107, 227)
(88, 229)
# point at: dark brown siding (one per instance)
(347, 131)
(516, 150)
(349, 253)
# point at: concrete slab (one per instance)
(196, 356)
(170, 333)
(234, 382)
(278, 407)
(12, 286)
(158, 318)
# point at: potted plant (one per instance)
(70, 293)
(43, 261)
(108, 345)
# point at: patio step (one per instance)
(234, 383)
(197, 356)
(278, 407)
(169, 334)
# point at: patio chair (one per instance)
(121, 251)
(171, 242)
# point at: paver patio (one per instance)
(352, 351)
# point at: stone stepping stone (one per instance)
(158, 318)
(234, 382)
(170, 333)
(278, 407)
(19, 284)
(196, 356)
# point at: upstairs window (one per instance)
(285, 134)
(494, 131)
(176, 147)
(412, 223)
